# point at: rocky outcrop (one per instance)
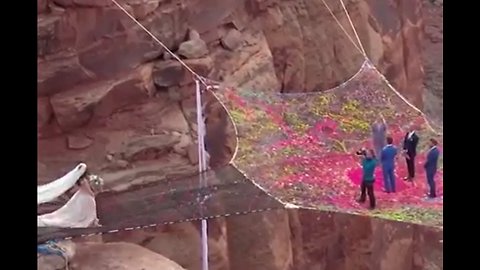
(110, 96)
(121, 256)
(297, 239)
(344, 241)
(267, 233)
(181, 243)
(232, 39)
(103, 81)
(433, 59)
(193, 48)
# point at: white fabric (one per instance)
(52, 190)
(79, 212)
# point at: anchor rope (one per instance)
(202, 167)
(187, 67)
(362, 52)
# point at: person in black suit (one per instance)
(410, 143)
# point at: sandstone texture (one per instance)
(433, 59)
(103, 82)
(293, 239)
(181, 243)
(110, 96)
(121, 256)
(296, 239)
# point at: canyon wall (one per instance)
(283, 239)
(296, 239)
(433, 59)
(110, 96)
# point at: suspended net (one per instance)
(297, 148)
(226, 192)
(301, 147)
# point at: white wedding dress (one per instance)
(51, 191)
(79, 212)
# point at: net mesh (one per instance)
(297, 148)
(301, 147)
(227, 192)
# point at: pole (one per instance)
(202, 166)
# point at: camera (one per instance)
(361, 152)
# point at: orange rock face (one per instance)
(433, 58)
(107, 93)
(104, 78)
(121, 256)
(297, 239)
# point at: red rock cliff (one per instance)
(105, 88)
(433, 58)
(297, 240)
(109, 95)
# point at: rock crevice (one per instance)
(297, 239)
(102, 76)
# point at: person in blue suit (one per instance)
(431, 167)
(387, 157)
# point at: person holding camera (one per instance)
(369, 162)
(387, 157)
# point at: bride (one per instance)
(80, 210)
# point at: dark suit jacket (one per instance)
(432, 160)
(410, 144)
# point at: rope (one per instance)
(200, 127)
(202, 166)
(238, 213)
(341, 26)
(361, 51)
(360, 70)
(353, 28)
(200, 78)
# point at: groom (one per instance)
(410, 143)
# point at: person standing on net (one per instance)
(431, 167)
(369, 162)
(379, 130)
(387, 157)
(410, 143)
